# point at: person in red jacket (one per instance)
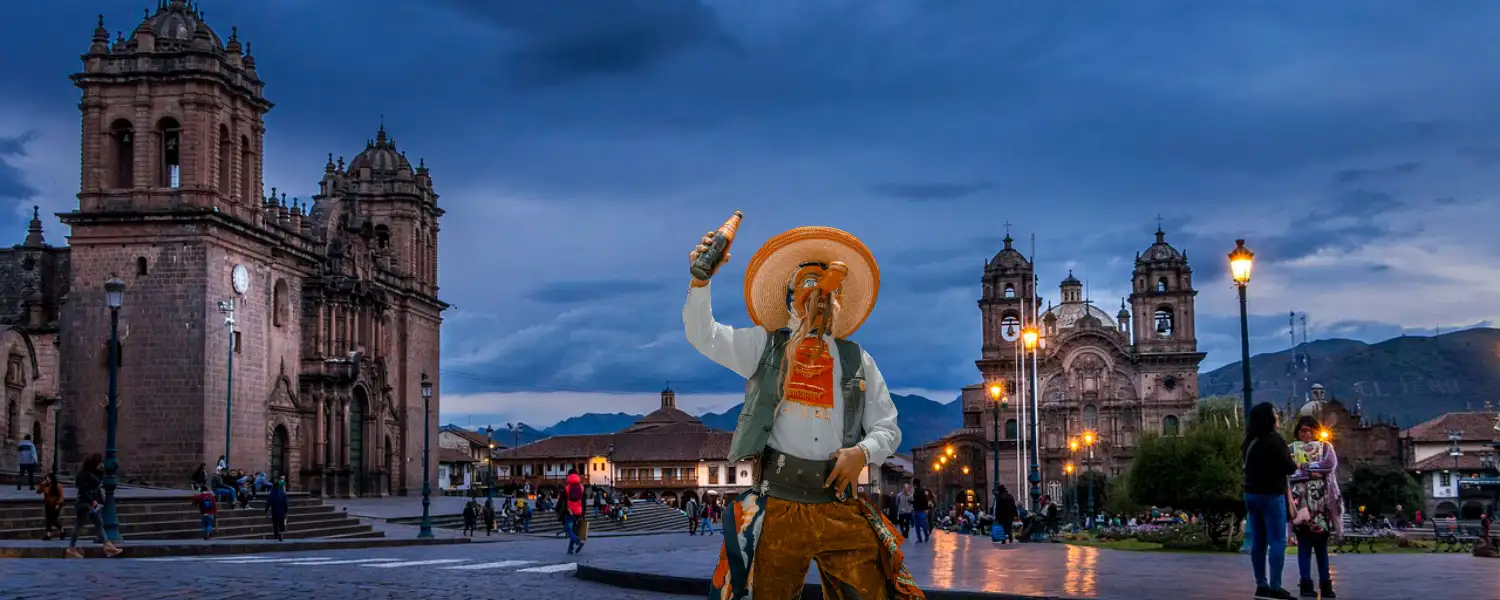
(208, 510)
(572, 497)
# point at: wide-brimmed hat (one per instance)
(772, 268)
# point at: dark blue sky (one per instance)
(582, 146)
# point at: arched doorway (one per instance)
(357, 410)
(1472, 511)
(280, 440)
(1445, 510)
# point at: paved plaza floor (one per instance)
(971, 563)
(528, 568)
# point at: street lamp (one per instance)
(1241, 260)
(114, 296)
(1031, 338)
(1089, 439)
(1072, 489)
(227, 308)
(998, 400)
(426, 531)
(489, 459)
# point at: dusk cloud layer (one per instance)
(580, 153)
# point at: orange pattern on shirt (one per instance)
(810, 382)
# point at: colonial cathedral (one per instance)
(334, 301)
(1120, 376)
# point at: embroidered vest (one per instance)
(763, 393)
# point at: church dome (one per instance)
(1070, 314)
(179, 21)
(380, 157)
(1008, 257)
(1161, 251)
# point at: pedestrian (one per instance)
(1268, 463)
(1005, 517)
(26, 460)
(276, 509)
(200, 477)
(52, 501)
(208, 511)
(87, 504)
(471, 517)
(489, 516)
(223, 464)
(1315, 498)
(691, 510)
(220, 488)
(921, 505)
(706, 513)
(572, 501)
(904, 510)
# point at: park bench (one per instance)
(1354, 538)
(1452, 537)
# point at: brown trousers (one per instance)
(835, 535)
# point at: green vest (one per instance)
(763, 394)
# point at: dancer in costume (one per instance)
(816, 413)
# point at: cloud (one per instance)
(13, 185)
(557, 43)
(930, 190)
(1356, 175)
(574, 292)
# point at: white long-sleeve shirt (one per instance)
(796, 432)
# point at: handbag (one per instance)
(583, 529)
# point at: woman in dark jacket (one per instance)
(87, 505)
(276, 507)
(1268, 463)
(1006, 517)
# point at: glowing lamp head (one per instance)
(1241, 260)
(1073, 445)
(937, 466)
(943, 460)
(1029, 336)
(1088, 438)
(1324, 435)
(966, 470)
(996, 389)
(949, 450)
(1068, 468)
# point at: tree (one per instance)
(1198, 472)
(1120, 502)
(1379, 488)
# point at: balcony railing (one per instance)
(638, 482)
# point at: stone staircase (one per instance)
(645, 517)
(177, 518)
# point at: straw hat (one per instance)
(773, 266)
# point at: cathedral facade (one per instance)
(1120, 376)
(334, 302)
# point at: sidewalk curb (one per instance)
(695, 586)
(169, 548)
(601, 534)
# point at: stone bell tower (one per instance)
(172, 122)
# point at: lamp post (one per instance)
(998, 400)
(114, 296)
(1241, 260)
(426, 531)
(1031, 338)
(1068, 470)
(1073, 446)
(227, 308)
(1089, 439)
(489, 459)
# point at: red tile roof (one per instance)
(1476, 426)
(561, 446)
(1470, 461)
(479, 440)
(666, 418)
(677, 446)
(452, 455)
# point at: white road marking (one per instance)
(417, 563)
(198, 558)
(494, 565)
(551, 568)
(261, 561)
(345, 562)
